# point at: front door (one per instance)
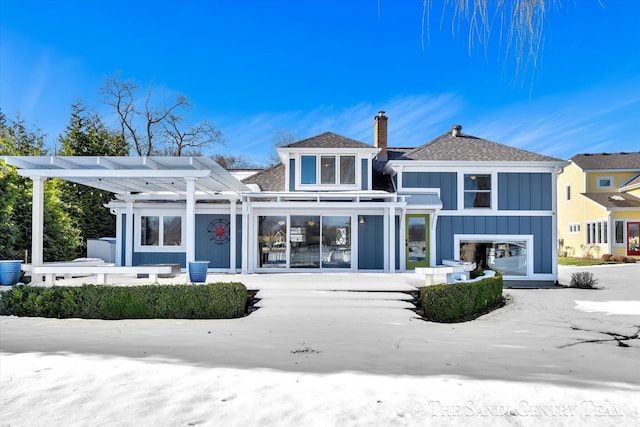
(633, 238)
(417, 238)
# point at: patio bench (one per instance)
(50, 272)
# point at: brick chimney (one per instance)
(456, 130)
(380, 135)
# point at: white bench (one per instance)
(453, 270)
(50, 272)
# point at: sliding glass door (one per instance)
(304, 241)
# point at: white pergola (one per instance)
(130, 178)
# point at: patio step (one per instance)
(324, 299)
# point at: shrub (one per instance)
(630, 259)
(583, 280)
(211, 301)
(606, 257)
(460, 301)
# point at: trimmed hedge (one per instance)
(460, 301)
(210, 301)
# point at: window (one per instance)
(619, 228)
(510, 255)
(574, 228)
(329, 170)
(347, 170)
(605, 182)
(568, 193)
(308, 170)
(160, 231)
(597, 233)
(477, 191)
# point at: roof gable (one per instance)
(464, 147)
(328, 140)
(600, 161)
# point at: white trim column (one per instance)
(37, 220)
(392, 240)
(190, 244)
(433, 233)
(129, 238)
(119, 237)
(232, 237)
(386, 232)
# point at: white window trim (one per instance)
(494, 191)
(328, 187)
(457, 238)
(604, 235)
(574, 228)
(138, 247)
(604, 187)
(623, 244)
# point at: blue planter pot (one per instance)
(198, 271)
(9, 272)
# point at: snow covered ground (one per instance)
(314, 357)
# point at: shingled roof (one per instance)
(614, 200)
(270, 179)
(470, 148)
(631, 183)
(328, 140)
(607, 161)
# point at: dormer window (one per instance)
(328, 170)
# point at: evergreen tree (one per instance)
(86, 135)
(61, 238)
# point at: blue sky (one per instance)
(254, 68)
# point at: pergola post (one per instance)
(232, 237)
(128, 239)
(191, 220)
(37, 221)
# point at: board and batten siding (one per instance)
(370, 241)
(142, 258)
(538, 226)
(218, 255)
(525, 191)
(292, 175)
(447, 182)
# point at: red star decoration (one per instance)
(220, 231)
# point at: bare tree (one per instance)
(282, 138)
(121, 96)
(190, 140)
(232, 162)
(519, 24)
(151, 128)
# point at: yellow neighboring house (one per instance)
(599, 205)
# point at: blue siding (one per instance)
(292, 175)
(538, 226)
(365, 175)
(218, 255)
(524, 191)
(140, 258)
(447, 182)
(238, 241)
(370, 241)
